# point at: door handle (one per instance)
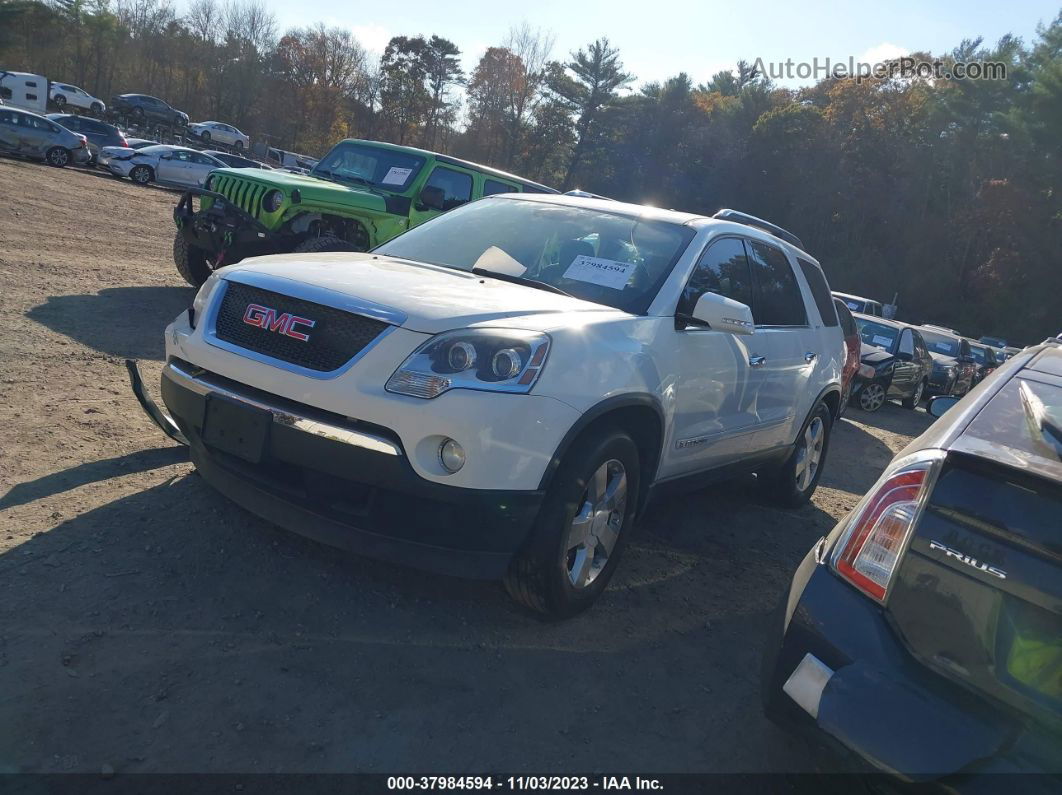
(810, 356)
(757, 361)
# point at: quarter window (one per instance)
(820, 291)
(778, 301)
(492, 186)
(456, 186)
(722, 269)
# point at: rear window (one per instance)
(492, 186)
(820, 291)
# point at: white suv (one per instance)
(64, 95)
(497, 392)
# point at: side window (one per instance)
(182, 155)
(203, 160)
(492, 186)
(964, 349)
(455, 187)
(920, 345)
(778, 299)
(722, 269)
(73, 123)
(907, 342)
(820, 291)
(9, 118)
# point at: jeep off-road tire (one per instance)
(324, 243)
(191, 262)
(791, 484)
(581, 528)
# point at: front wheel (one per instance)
(916, 397)
(60, 101)
(581, 529)
(793, 483)
(871, 397)
(239, 145)
(58, 156)
(191, 262)
(96, 109)
(142, 175)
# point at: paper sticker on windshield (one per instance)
(879, 340)
(396, 176)
(597, 270)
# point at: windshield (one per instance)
(362, 164)
(995, 342)
(608, 258)
(938, 343)
(877, 334)
(854, 305)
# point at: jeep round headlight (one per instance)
(272, 201)
(492, 360)
(209, 184)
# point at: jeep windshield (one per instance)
(604, 257)
(362, 164)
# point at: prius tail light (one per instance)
(877, 531)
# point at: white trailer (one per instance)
(24, 90)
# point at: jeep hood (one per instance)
(312, 189)
(432, 298)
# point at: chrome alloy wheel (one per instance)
(594, 531)
(917, 397)
(871, 397)
(809, 456)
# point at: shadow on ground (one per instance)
(125, 322)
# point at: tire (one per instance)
(238, 146)
(57, 156)
(591, 502)
(872, 397)
(324, 243)
(916, 398)
(846, 398)
(792, 484)
(60, 101)
(191, 262)
(204, 136)
(96, 109)
(142, 175)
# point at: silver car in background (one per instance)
(178, 166)
(30, 135)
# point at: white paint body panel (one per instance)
(700, 378)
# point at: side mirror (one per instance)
(937, 406)
(723, 314)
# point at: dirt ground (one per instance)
(148, 625)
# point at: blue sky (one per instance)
(661, 38)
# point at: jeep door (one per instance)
(444, 189)
(789, 344)
(716, 380)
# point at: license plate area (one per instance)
(237, 428)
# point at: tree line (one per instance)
(945, 192)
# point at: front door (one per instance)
(444, 189)
(173, 169)
(716, 375)
(905, 368)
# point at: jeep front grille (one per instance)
(334, 336)
(242, 193)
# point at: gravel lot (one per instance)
(148, 625)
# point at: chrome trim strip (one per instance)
(203, 386)
(306, 292)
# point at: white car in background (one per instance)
(216, 132)
(496, 393)
(65, 96)
(176, 166)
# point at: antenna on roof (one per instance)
(759, 223)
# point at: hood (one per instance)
(943, 360)
(312, 189)
(869, 354)
(432, 298)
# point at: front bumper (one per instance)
(879, 710)
(223, 230)
(349, 484)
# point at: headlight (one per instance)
(272, 201)
(202, 298)
(493, 360)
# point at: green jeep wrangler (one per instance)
(359, 195)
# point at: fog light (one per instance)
(451, 456)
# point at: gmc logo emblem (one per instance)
(265, 318)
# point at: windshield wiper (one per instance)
(334, 177)
(508, 277)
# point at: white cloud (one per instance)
(373, 37)
(886, 51)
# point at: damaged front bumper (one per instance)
(157, 415)
(224, 231)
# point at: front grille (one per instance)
(242, 193)
(335, 338)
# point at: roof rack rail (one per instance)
(759, 223)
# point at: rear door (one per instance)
(789, 344)
(978, 596)
(10, 132)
